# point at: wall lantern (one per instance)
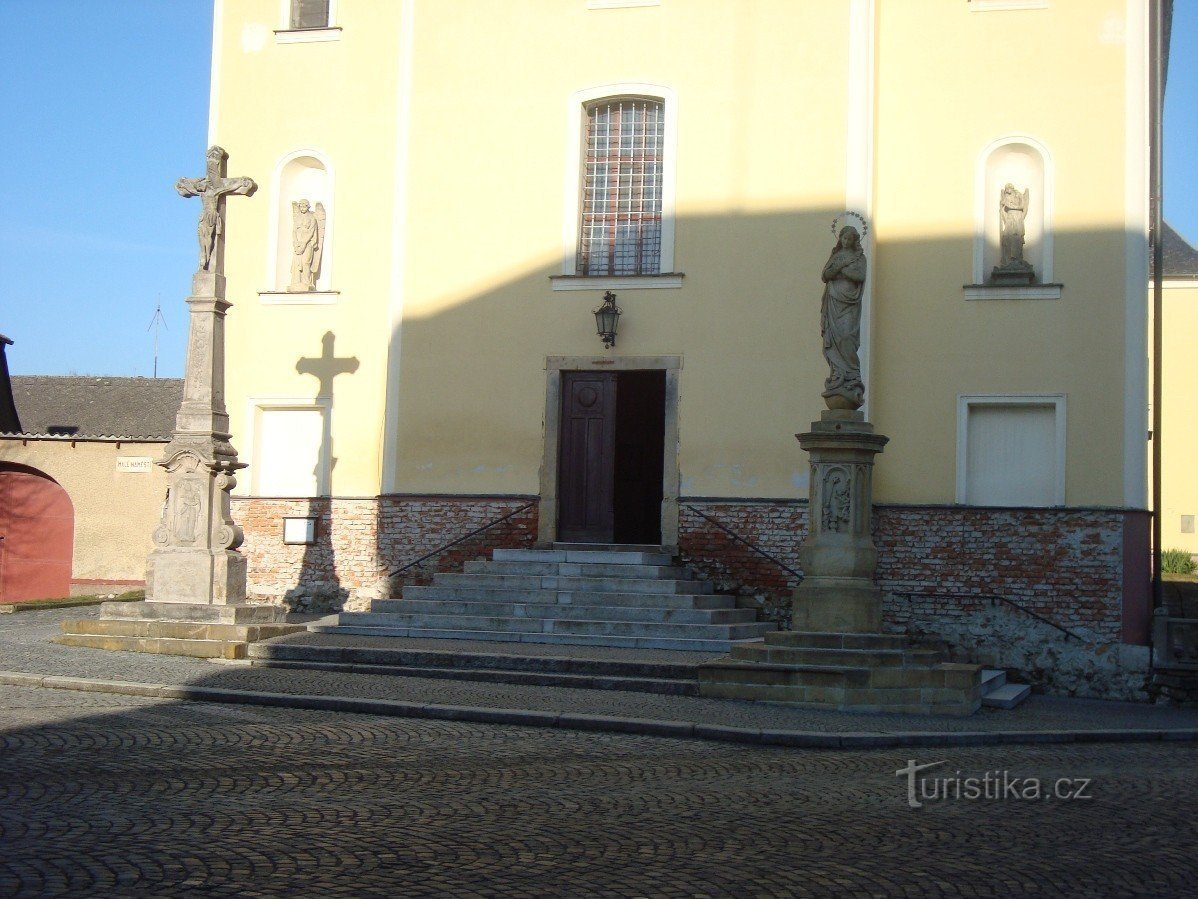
(607, 319)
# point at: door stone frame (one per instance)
(554, 366)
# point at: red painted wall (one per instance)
(37, 535)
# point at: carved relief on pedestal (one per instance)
(189, 504)
(837, 500)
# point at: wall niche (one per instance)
(302, 225)
(1013, 217)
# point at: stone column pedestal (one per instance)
(838, 593)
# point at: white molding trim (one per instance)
(399, 245)
(218, 21)
(272, 240)
(1135, 228)
(266, 402)
(979, 202)
(1001, 5)
(620, 4)
(1177, 284)
(307, 35)
(298, 298)
(1012, 292)
(859, 167)
(966, 400)
(616, 282)
(573, 168)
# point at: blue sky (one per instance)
(107, 105)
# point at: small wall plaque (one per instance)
(299, 531)
(134, 463)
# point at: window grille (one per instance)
(620, 230)
(309, 14)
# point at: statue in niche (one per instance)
(1013, 207)
(307, 239)
(840, 321)
(836, 501)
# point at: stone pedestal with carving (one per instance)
(838, 557)
(837, 656)
(195, 577)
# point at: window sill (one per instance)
(307, 35)
(298, 298)
(616, 282)
(1013, 292)
(620, 4)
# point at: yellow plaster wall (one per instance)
(1050, 75)
(762, 94)
(337, 97)
(1179, 402)
(115, 511)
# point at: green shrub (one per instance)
(1177, 561)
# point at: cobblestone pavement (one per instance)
(25, 646)
(105, 795)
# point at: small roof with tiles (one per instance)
(96, 406)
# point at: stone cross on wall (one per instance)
(212, 189)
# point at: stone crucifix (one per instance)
(212, 189)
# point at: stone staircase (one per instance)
(581, 594)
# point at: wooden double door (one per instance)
(611, 455)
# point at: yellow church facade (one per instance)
(449, 189)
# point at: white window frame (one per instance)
(966, 401)
(572, 189)
(256, 405)
(285, 34)
(274, 296)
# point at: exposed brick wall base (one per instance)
(936, 565)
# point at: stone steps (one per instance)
(531, 670)
(572, 584)
(571, 593)
(998, 694)
(561, 598)
(858, 658)
(543, 610)
(200, 649)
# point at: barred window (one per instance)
(623, 162)
(309, 14)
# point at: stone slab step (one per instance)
(589, 554)
(581, 627)
(578, 569)
(200, 649)
(178, 630)
(847, 699)
(542, 610)
(674, 643)
(285, 650)
(612, 547)
(992, 679)
(821, 640)
(559, 598)
(860, 658)
(571, 584)
(665, 686)
(1008, 696)
(246, 613)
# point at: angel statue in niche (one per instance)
(307, 238)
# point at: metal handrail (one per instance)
(993, 598)
(461, 539)
(735, 536)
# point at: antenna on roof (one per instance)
(154, 323)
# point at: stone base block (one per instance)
(858, 672)
(838, 605)
(199, 612)
(185, 629)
